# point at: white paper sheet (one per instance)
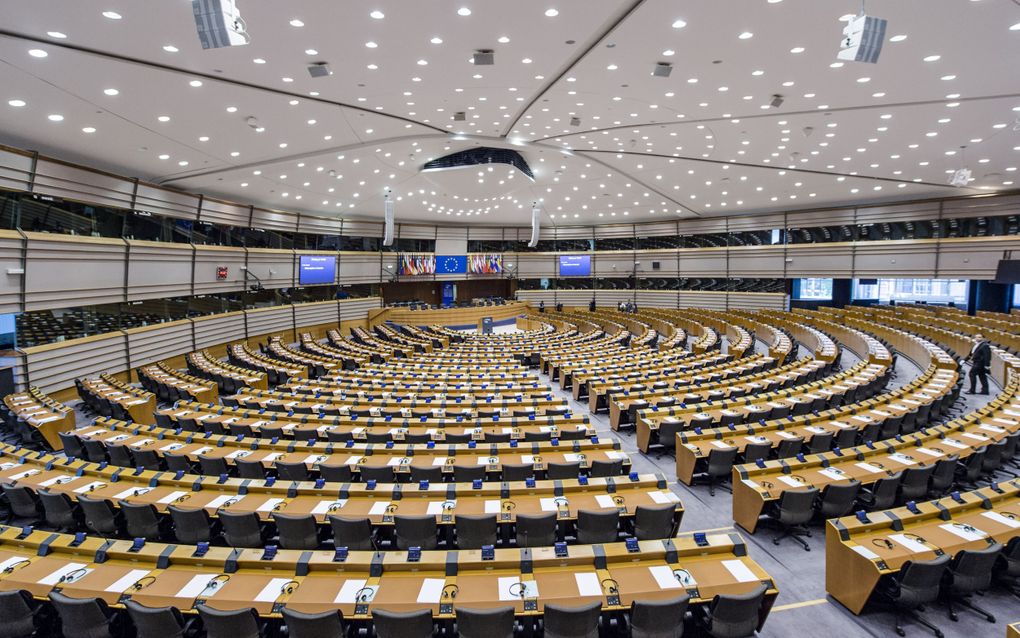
(323, 507)
(89, 487)
(436, 508)
(663, 497)
(492, 507)
(832, 472)
(910, 543)
(740, 571)
(58, 480)
(25, 474)
(223, 498)
(995, 516)
(971, 534)
(378, 508)
(272, 590)
(721, 445)
(269, 504)
(792, 482)
(663, 575)
(926, 451)
(588, 584)
(865, 552)
(868, 467)
(197, 585)
(64, 570)
(431, 590)
(349, 590)
(13, 560)
(127, 580)
(549, 504)
(171, 497)
(269, 458)
(513, 588)
(902, 458)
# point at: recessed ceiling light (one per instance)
(204, 138)
(234, 153)
(164, 156)
(169, 48)
(57, 34)
(163, 118)
(551, 13)
(464, 11)
(371, 45)
(37, 53)
(231, 109)
(112, 15)
(259, 61)
(377, 15)
(287, 79)
(1015, 27)
(797, 50)
(526, 61)
(373, 67)
(933, 58)
(863, 80)
(898, 38)
(195, 83)
(836, 65)
(679, 24)
(758, 72)
(436, 40)
(296, 23)
(182, 163)
(111, 92)
(503, 39)
(668, 52)
(612, 67)
(947, 78)
(746, 35)
(89, 129)
(422, 62)
(17, 103)
(311, 52)
(56, 118)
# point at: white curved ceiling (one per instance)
(698, 143)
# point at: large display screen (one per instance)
(317, 269)
(575, 265)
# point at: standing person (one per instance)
(541, 306)
(591, 305)
(980, 358)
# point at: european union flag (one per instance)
(451, 264)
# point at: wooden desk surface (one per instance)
(45, 415)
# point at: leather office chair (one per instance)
(416, 531)
(718, 469)
(72, 445)
(157, 622)
(820, 443)
(536, 530)
(17, 614)
(59, 511)
(412, 624)
(1007, 567)
(241, 529)
(212, 465)
(914, 485)
(321, 625)
(561, 621)
(655, 521)
(336, 473)
(755, 451)
(730, 616)
(379, 473)
(147, 459)
(352, 533)
(917, 584)
(23, 502)
(838, 499)
(191, 526)
(95, 451)
(250, 469)
(100, 517)
(534, 437)
(598, 526)
(292, 471)
(562, 471)
(944, 476)
(793, 511)
(789, 448)
(83, 617)
(271, 432)
(668, 429)
(178, 463)
(141, 520)
(603, 469)
(432, 474)
(968, 472)
(469, 473)
(881, 495)
(297, 531)
(475, 531)
(518, 471)
(658, 618)
(497, 622)
(238, 623)
(241, 429)
(970, 571)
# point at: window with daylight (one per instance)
(935, 291)
(815, 289)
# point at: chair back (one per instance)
(572, 622)
(733, 616)
(82, 617)
(655, 521)
(238, 623)
(971, 569)
(658, 618)
(796, 505)
(190, 526)
(140, 520)
(919, 581)
(99, 515)
(536, 530)
(17, 617)
(598, 526)
(155, 622)
(838, 499)
(321, 625)
(416, 531)
(720, 462)
(411, 624)
(497, 622)
(297, 531)
(241, 529)
(475, 531)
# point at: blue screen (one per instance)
(317, 269)
(575, 265)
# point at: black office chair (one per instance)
(292, 471)
(944, 476)
(914, 485)
(536, 530)
(1007, 567)
(756, 451)
(411, 624)
(432, 474)
(475, 531)
(23, 502)
(562, 471)
(416, 531)
(729, 616)
(881, 495)
(379, 473)
(518, 471)
(655, 521)
(325, 624)
(178, 463)
(820, 443)
(917, 584)
(100, 516)
(238, 623)
(242, 529)
(658, 618)
(120, 455)
(497, 622)
(95, 451)
(250, 469)
(604, 469)
(718, 469)
(352, 533)
(469, 473)
(191, 526)
(968, 472)
(157, 622)
(72, 445)
(598, 526)
(141, 520)
(297, 531)
(668, 429)
(572, 622)
(792, 513)
(213, 465)
(336, 473)
(18, 613)
(83, 617)
(147, 459)
(788, 448)
(838, 499)
(970, 571)
(59, 511)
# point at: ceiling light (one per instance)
(464, 11)
(1015, 27)
(933, 58)
(423, 62)
(947, 78)
(89, 129)
(163, 118)
(311, 52)
(436, 40)
(296, 23)
(377, 15)
(195, 83)
(287, 79)
(797, 50)
(746, 35)
(551, 13)
(898, 38)
(182, 163)
(17, 103)
(863, 80)
(57, 34)
(111, 92)
(679, 24)
(112, 15)
(56, 118)
(37, 53)
(503, 39)
(259, 61)
(169, 48)
(164, 156)
(371, 45)
(526, 61)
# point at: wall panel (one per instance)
(756, 261)
(911, 258)
(15, 170)
(157, 342)
(70, 182)
(55, 366)
(10, 258)
(66, 271)
(216, 211)
(819, 260)
(275, 268)
(208, 259)
(158, 270)
(364, 268)
(213, 330)
(170, 203)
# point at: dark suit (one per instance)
(980, 359)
